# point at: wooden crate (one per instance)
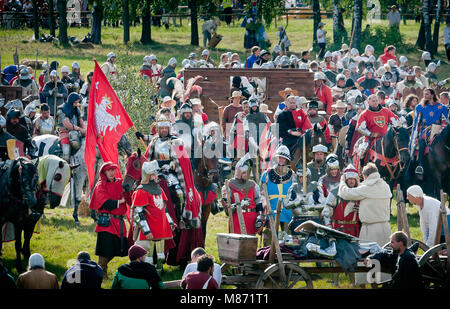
(236, 248)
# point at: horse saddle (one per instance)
(343, 135)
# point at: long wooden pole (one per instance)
(446, 228)
(304, 165)
(230, 212)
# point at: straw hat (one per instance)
(236, 94)
(339, 104)
(286, 91)
(168, 102)
(264, 108)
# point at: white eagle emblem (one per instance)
(191, 195)
(103, 119)
(159, 202)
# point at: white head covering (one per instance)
(149, 168)
(283, 151)
(415, 191)
(110, 55)
(36, 260)
(320, 148)
(351, 172)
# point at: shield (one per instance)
(331, 76)
(379, 121)
(15, 148)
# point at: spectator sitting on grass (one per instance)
(192, 267)
(202, 278)
(85, 274)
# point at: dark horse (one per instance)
(314, 137)
(19, 182)
(436, 165)
(206, 177)
(390, 154)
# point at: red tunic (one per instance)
(250, 216)
(348, 224)
(324, 95)
(155, 213)
(377, 122)
(301, 120)
(104, 191)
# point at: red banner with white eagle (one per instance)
(107, 122)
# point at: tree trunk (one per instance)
(336, 32)
(62, 13)
(317, 19)
(437, 23)
(35, 20)
(97, 16)
(427, 26)
(146, 35)
(51, 18)
(420, 43)
(356, 31)
(194, 23)
(126, 21)
(404, 7)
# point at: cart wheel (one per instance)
(434, 268)
(296, 278)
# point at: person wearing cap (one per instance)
(16, 128)
(368, 83)
(386, 86)
(29, 86)
(152, 222)
(17, 73)
(340, 214)
(76, 74)
(322, 91)
(244, 193)
(429, 212)
(317, 165)
(138, 274)
(151, 69)
(253, 57)
(277, 180)
(109, 67)
(68, 81)
(55, 92)
(430, 117)
(37, 277)
(199, 117)
(394, 17)
(318, 121)
(166, 86)
(284, 94)
(71, 126)
(373, 123)
(374, 195)
(321, 39)
(263, 58)
(206, 56)
(108, 202)
(85, 274)
(230, 112)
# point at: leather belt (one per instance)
(345, 222)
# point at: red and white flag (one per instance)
(107, 122)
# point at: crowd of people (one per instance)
(363, 92)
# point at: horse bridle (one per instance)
(398, 163)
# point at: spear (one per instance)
(35, 64)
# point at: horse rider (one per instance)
(152, 223)
(4, 137)
(352, 134)
(55, 92)
(317, 166)
(238, 140)
(368, 84)
(293, 124)
(278, 179)
(410, 82)
(373, 123)
(340, 214)
(430, 116)
(70, 125)
(184, 130)
(386, 86)
(322, 91)
(244, 193)
(320, 121)
(19, 131)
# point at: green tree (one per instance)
(51, 17)
(97, 17)
(62, 12)
(126, 21)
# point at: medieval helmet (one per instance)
(351, 172)
(253, 101)
(172, 62)
(110, 55)
(75, 65)
(320, 148)
(283, 151)
(65, 69)
(426, 55)
(185, 108)
(149, 168)
(162, 122)
(332, 161)
(301, 174)
(242, 166)
(403, 59)
(328, 54)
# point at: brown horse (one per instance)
(206, 177)
(313, 137)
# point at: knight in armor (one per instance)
(278, 180)
(430, 116)
(76, 76)
(19, 131)
(152, 223)
(373, 123)
(151, 69)
(244, 193)
(340, 214)
(317, 166)
(337, 92)
(70, 125)
(166, 87)
(238, 142)
(319, 121)
(368, 84)
(54, 91)
(330, 180)
(29, 86)
(409, 82)
(327, 63)
(29, 116)
(44, 124)
(386, 86)
(322, 91)
(71, 85)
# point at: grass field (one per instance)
(59, 240)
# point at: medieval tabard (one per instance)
(345, 216)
